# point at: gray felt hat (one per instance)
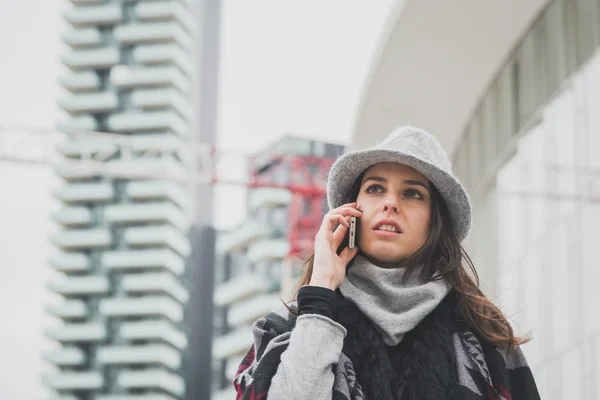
(417, 149)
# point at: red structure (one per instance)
(305, 177)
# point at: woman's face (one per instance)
(396, 204)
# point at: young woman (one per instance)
(400, 316)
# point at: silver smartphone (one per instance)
(352, 233)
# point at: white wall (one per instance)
(547, 227)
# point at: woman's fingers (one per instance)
(329, 223)
(339, 234)
(347, 211)
(335, 224)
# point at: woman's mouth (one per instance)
(386, 231)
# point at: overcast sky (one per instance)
(286, 66)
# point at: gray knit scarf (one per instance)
(395, 307)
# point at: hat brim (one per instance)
(350, 166)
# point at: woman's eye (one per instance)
(374, 189)
(413, 193)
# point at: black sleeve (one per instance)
(317, 300)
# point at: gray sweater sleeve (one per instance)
(306, 368)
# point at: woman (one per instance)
(401, 316)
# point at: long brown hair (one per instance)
(443, 257)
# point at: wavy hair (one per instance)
(443, 257)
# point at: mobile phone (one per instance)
(352, 233)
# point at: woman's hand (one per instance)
(329, 268)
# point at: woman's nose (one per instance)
(390, 205)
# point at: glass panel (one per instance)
(504, 95)
(467, 160)
(489, 131)
(530, 77)
(556, 46)
(587, 27)
(474, 153)
(515, 93)
(570, 16)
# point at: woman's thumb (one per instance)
(348, 254)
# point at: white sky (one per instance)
(286, 66)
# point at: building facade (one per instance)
(524, 136)
(124, 245)
(258, 263)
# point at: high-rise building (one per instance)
(512, 89)
(124, 244)
(257, 263)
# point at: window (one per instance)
(587, 21)
(488, 131)
(557, 61)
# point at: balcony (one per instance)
(155, 98)
(94, 58)
(268, 250)
(147, 306)
(101, 14)
(152, 33)
(125, 76)
(146, 167)
(148, 121)
(243, 236)
(79, 123)
(74, 216)
(70, 262)
(144, 259)
(65, 356)
(73, 172)
(166, 236)
(268, 198)
(163, 54)
(165, 213)
(74, 381)
(165, 142)
(90, 103)
(81, 81)
(235, 343)
(84, 37)
(252, 309)
(164, 10)
(87, 146)
(96, 192)
(153, 330)
(88, 332)
(149, 354)
(151, 379)
(155, 282)
(68, 309)
(83, 239)
(142, 168)
(81, 285)
(156, 190)
(241, 288)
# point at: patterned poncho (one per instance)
(439, 359)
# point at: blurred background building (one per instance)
(125, 244)
(512, 89)
(259, 262)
